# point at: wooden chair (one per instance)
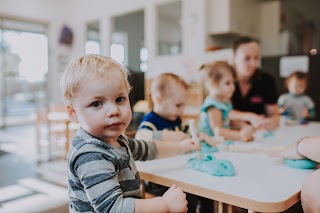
(53, 131)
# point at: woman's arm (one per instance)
(273, 117)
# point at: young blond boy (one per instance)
(101, 170)
(169, 95)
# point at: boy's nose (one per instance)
(112, 110)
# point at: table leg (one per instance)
(220, 207)
(229, 208)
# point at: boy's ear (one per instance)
(72, 114)
(156, 98)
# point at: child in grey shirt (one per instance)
(296, 104)
(101, 170)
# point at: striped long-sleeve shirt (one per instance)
(103, 178)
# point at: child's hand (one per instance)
(175, 199)
(209, 140)
(174, 135)
(246, 133)
(188, 145)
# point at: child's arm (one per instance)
(215, 120)
(206, 138)
(309, 111)
(149, 150)
(167, 149)
(174, 135)
(255, 120)
(173, 200)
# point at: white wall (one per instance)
(77, 13)
(47, 11)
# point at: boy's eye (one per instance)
(96, 104)
(120, 99)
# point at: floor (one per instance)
(21, 174)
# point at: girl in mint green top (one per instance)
(224, 107)
(216, 109)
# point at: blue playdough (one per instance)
(212, 166)
(229, 142)
(206, 148)
(267, 134)
(300, 164)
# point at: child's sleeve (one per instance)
(311, 108)
(281, 101)
(148, 131)
(143, 150)
(99, 178)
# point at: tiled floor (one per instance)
(19, 166)
(20, 142)
(20, 160)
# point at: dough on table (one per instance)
(206, 148)
(209, 164)
(300, 164)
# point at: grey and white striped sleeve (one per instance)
(98, 175)
(143, 150)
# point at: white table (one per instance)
(261, 183)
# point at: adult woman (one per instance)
(255, 90)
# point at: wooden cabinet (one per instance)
(232, 16)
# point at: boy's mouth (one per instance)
(114, 125)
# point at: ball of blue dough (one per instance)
(300, 164)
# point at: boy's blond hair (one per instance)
(163, 82)
(89, 67)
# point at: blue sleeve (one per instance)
(312, 113)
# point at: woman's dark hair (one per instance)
(242, 40)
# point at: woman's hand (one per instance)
(246, 133)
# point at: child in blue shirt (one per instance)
(169, 94)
